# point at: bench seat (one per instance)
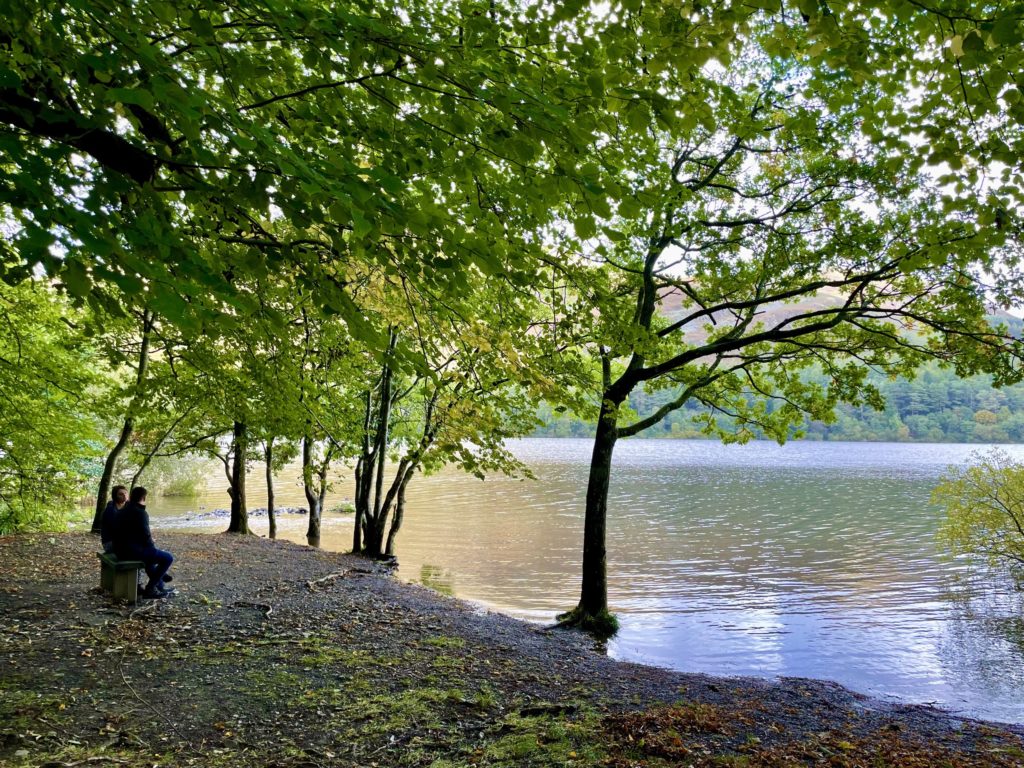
(120, 578)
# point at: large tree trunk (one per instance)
(592, 611)
(239, 513)
(378, 515)
(364, 472)
(312, 494)
(271, 518)
(106, 478)
(373, 536)
(375, 531)
(127, 428)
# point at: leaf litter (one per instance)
(281, 655)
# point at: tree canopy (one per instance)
(152, 149)
(751, 206)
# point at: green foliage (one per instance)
(48, 435)
(935, 407)
(184, 475)
(984, 505)
(151, 145)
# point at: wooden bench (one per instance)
(120, 578)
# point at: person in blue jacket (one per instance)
(118, 498)
(134, 541)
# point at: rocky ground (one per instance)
(276, 654)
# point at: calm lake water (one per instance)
(807, 560)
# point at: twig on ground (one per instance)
(265, 607)
(328, 577)
(142, 608)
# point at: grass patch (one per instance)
(546, 741)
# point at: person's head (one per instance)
(138, 495)
(119, 494)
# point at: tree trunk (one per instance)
(357, 523)
(373, 538)
(269, 454)
(312, 496)
(108, 473)
(239, 513)
(593, 603)
(364, 476)
(396, 522)
(381, 447)
(129, 424)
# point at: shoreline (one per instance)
(260, 628)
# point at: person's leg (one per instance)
(163, 561)
(157, 562)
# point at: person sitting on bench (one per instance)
(134, 541)
(118, 498)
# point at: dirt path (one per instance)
(280, 655)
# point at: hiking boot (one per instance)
(154, 593)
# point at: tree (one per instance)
(330, 375)
(457, 412)
(136, 396)
(49, 438)
(452, 385)
(984, 504)
(767, 187)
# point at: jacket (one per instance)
(108, 524)
(131, 530)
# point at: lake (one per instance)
(807, 560)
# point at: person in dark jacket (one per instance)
(134, 541)
(118, 498)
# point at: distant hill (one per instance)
(937, 406)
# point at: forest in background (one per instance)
(936, 407)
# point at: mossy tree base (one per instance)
(602, 625)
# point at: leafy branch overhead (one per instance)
(150, 145)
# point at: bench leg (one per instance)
(126, 586)
(106, 578)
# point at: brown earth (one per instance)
(276, 654)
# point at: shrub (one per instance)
(984, 505)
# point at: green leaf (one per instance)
(9, 78)
(361, 226)
(585, 227)
(76, 278)
(139, 96)
(629, 208)
(973, 41)
(201, 26)
(1006, 31)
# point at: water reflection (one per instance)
(811, 559)
(438, 579)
